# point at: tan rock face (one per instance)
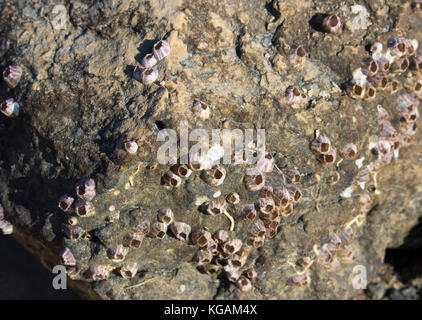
(80, 103)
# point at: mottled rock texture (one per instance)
(79, 104)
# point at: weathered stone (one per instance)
(80, 103)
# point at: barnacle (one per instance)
(165, 216)
(131, 147)
(248, 212)
(180, 230)
(233, 198)
(65, 203)
(331, 23)
(129, 270)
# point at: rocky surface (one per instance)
(80, 103)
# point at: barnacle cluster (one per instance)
(147, 74)
(372, 76)
(380, 71)
(82, 207)
(218, 248)
(11, 76)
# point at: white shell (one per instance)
(131, 147)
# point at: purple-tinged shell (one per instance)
(356, 90)
(265, 206)
(213, 247)
(203, 257)
(197, 161)
(295, 193)
(6, 227)
(329, 157)
(129, 270)
(244, 284)
(266, 192)
(287, 211)
(12, 75)
(232, 273)
(232, 246)
(220, 236)
(74, 233)
(158, 230)
(85, 189)
(131, 147)
(293, 175)
(299, 280)
(304, 262)
(294, 95)
(216, 206)
(149, 61)
(201, 109)
(383, 115)
(282, 197)
(214, 176)
(265, 162)
(250, 273)
(255, 182)
(321, 144)
(118, 254)
(165, 216)
(67, 258)
(248, 212)
(331, 23)
(180, 230)
(161, 49)
(349, 151)
(237, 260)
(272, 223)
(135, 240)
(397, 46)
(370, 66)
(256, 242)
(65, 203)
(400, 65)
(392, 86)
(145, 75)
(383, 64)
(297, 56)
(170, 179)
(84, 208)
(99, 272)
(382, 147)
(336, 240)
(388, 131)
(182, 170)
(257, 229)
(325, 256)
(201, 238)
(143, 228)
(10, 108)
